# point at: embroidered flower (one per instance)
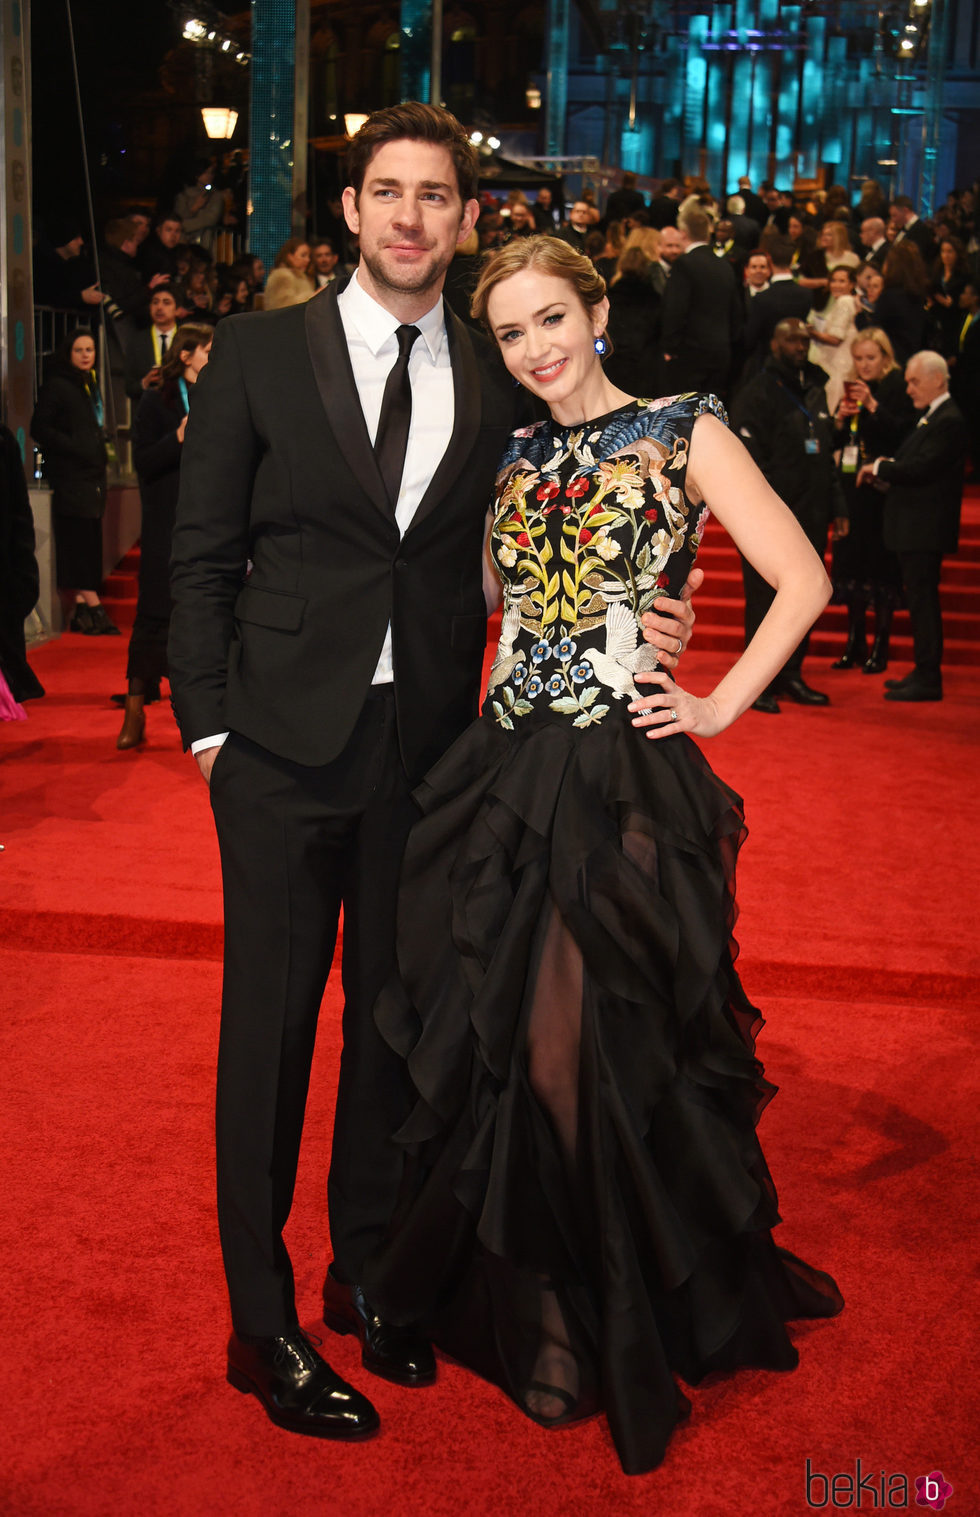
(555, 685)
(585, 536)
(507, 556)
(577, 488)
(663, 580)
(549, 491)
(594, 510)
(608, 548)
(534, 686)
(582, 672)
(566, 510)
(620, 471)
(565, 649)
(522, 540)
(540, 651)
(519, 675)
(651, 515)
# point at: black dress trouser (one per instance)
(920, 578)
(296, 844)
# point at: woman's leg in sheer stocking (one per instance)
(553, 1039)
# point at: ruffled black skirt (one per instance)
(587, 1209)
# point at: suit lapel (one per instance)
(327, 346)
(466, 418)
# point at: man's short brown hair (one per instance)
(119, 231)
(414, 122)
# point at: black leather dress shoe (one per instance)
(915, 690)
(905, 679)
(400, 1354)
(298, 1389)
(766, 702)
(797, 689)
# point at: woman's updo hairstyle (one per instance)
(546, 255)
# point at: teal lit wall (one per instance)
(415, 49)
(760, 87)
(270, 181)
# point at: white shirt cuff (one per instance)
(208, 742)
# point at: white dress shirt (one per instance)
(373, 347)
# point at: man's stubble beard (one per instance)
(416, 282)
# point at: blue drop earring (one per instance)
(601, 347)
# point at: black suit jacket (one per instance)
(783, 299)
(702, 307)
(922, 506)
(920, 234)
(140, 359)
(876, 256)
(278, 469)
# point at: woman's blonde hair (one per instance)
(882, 342)
(547, 255)
(840, 242)
(632, 260)
(647, 238)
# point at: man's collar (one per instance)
(785, 278)
(935, 404)
(377, 326)
(692, 245)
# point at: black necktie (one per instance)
(396, 417)
(164, 339)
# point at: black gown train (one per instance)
(587, 1209)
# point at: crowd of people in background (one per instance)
(829, 297)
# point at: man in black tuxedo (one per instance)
(783, 299)
(922, 516)
(903, 218)
(874, 241)
(326, 648)
(702, 313)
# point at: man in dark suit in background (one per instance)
(326, 648)
(783, 299)
(148, 346)
(922, 516)
(702, 313)
(663, 207)
(625, 200)
(874, 241)
(755, 206)
(781, 416)
(907, 224)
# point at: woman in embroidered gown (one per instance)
(587, 1210)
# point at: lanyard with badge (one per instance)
(811, 443)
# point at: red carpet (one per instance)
(859, 894)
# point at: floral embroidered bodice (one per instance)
(591, 525)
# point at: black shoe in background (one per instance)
(796, 689)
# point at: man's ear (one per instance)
(351, 216)
(471, 215)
